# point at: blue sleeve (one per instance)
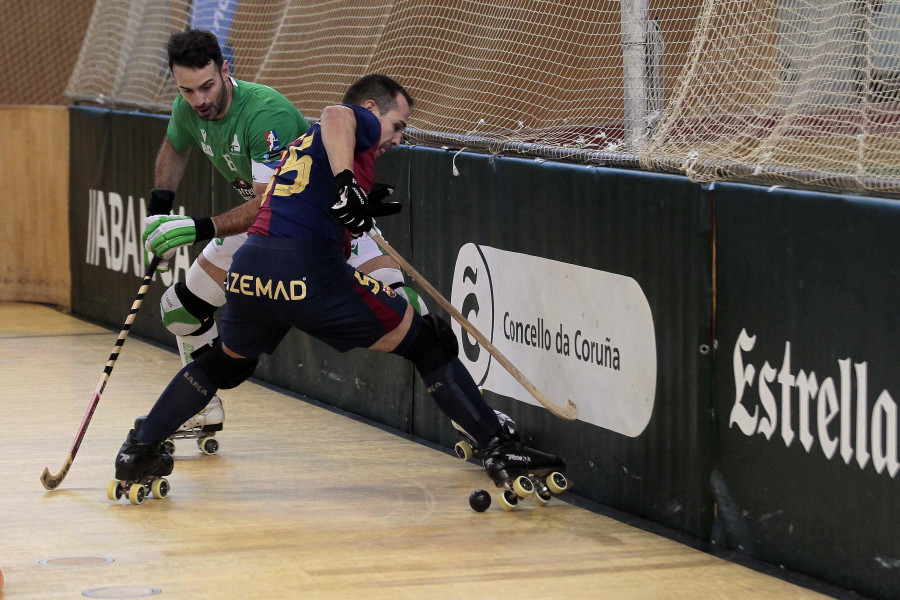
(368, 128)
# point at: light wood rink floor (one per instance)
(300, 502)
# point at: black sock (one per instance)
(456, 394)
(187, 394)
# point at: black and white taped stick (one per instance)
(51, 482)
(568, 411)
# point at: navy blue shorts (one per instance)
(278, 283)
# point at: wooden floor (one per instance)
(300, 502)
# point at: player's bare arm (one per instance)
(164, 234)
(339, 137)
(240, 218)
(170, 166)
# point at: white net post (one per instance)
(635, 15)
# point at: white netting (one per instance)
(789, 91)
(38, 54)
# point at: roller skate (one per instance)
(202, 427)
(141, 468)
(520, 471)
(467, 448)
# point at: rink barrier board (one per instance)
(806, 384)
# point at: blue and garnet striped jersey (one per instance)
(297, 202)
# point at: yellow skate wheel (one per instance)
(159, 488)
(168, 447)
(557, 482)
(542, 496)
(522, 486)
(208, 445)
(114, 490)
(508, 500)
(137, 493)
(464, 450)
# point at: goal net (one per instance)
(796, 92)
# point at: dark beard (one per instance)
(221, 102)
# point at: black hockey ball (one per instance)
(479, 500)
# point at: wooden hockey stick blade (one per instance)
(51, 482)
(568, 411)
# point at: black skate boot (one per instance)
(467, 448)
(140, 470)
(521, 471)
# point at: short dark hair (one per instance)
(380, 88)
(194, 48)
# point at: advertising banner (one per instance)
(216, 16)
(596, 285)
(112, 158)
(807, 472)
(608, 353)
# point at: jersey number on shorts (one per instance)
(366, 281)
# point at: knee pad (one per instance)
(394, 279)
(414, 299)
(183, 313)
(435, 345)
(203, 286)
(388, 276)
(224, 371)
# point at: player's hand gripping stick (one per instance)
(355, 209)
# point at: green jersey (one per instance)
(246, 144)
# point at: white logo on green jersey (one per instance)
(204, 146)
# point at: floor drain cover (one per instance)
(121, 591)
(76, 561)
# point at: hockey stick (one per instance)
(568, 412)
(51, 482)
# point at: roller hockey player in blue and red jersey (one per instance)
(292, 273)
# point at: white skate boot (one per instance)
(210, 419)
(202, 427)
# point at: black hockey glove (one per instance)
(351, 205)
(161, 202)
(379, 208)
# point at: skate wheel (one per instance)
(464, 450)
(208, 445)
(159, 488)
(542, 497)
(114, 490)
(522, 486)
(137, 493)
(557, 482)
(508, 500)
(168, 447)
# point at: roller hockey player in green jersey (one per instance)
(242, 128)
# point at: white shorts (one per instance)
(220, 250)
(363, 249)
